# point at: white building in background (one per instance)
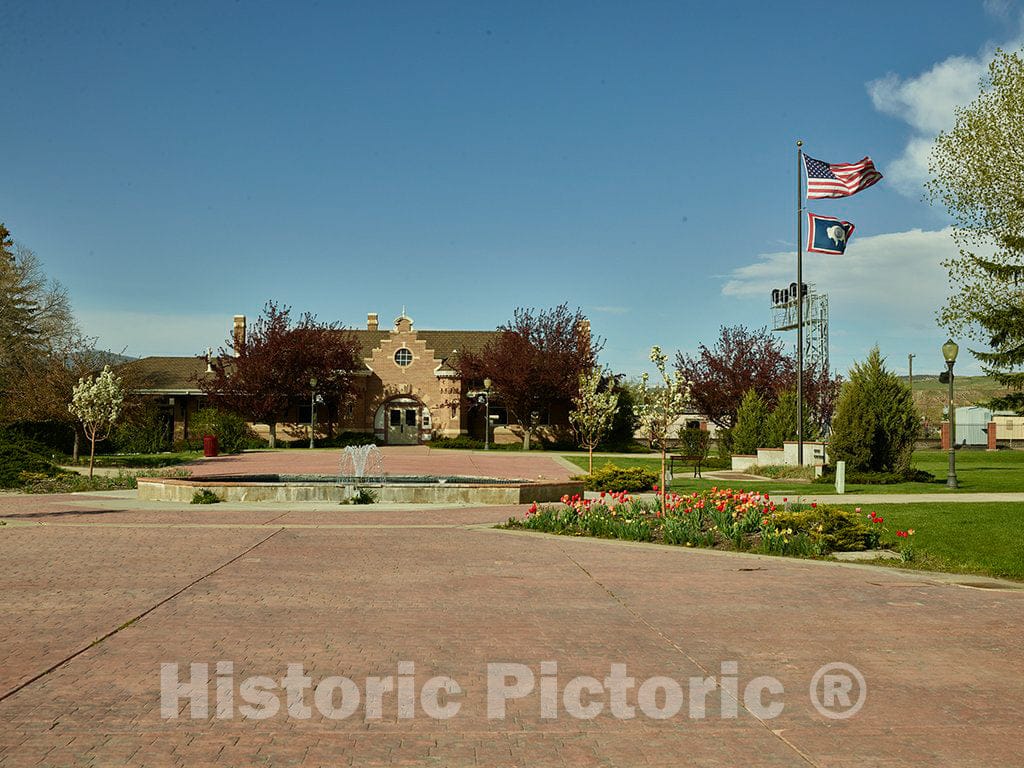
(972, 425)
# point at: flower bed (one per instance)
(718, 518)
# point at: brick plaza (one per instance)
(99, 591)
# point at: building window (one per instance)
(403, 357)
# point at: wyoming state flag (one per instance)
(826, 234)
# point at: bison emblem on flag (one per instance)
(826, 234)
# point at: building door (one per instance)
(403, 424)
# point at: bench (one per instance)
(683, 459)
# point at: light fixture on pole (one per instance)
(312, 410)
(949, 352)
(487, 414)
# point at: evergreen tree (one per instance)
(751, 421)
(1005, 325)
(876, 423)
(781, 423)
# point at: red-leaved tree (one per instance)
(534, 361)
(261, 375)
(739, 361)
(742, 360)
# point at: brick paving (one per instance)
(355, 592)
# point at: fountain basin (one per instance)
(417, 489)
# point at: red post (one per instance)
(992, 436)
(945, 435)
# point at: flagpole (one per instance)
(799, 306)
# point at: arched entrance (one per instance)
(402, 421)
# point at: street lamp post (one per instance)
(312, 410)
(487, 414)
(949, 351)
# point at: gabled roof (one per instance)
(179, 375)
(166, 375)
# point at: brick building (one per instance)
(407, 391)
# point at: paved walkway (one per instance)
(99, 591)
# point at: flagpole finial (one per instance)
(799, 142)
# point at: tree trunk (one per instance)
(92, 453)
(526, 438)
(662, 479)
(74, 449)
(273, 434)
(590, 449)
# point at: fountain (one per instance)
(356, 460)
(361, 467)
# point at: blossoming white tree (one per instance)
(593, 411)
(660, 406)
(97, 403)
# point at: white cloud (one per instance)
(139, 334)
(998, 8)
(926, 102)
(885, 290)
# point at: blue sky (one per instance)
(177, 163)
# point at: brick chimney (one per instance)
(371, 321)
(238, 333)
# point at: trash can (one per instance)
(209, 445)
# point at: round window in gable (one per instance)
(403, 357)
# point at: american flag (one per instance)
(838, 179)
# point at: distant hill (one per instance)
(97, 358)
(930, 396)
(106, 357)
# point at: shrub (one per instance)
(19, 465)
(779, 471)
(838, 530)
(72, 482)
(45, 437)
(751, 419)
(463, 442)
(345, 439)
(694, 442)
(364, 496)
(875, 423)
(233, 434)
(614, 478)
(145, 429)
(205, 496)
(13, 436)
(857, 477)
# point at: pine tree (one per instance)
(1005, 326)
(781, 423)
(876, 423)
(751, 421)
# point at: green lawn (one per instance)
(977, 471)
(142, 460)
(985, 539)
